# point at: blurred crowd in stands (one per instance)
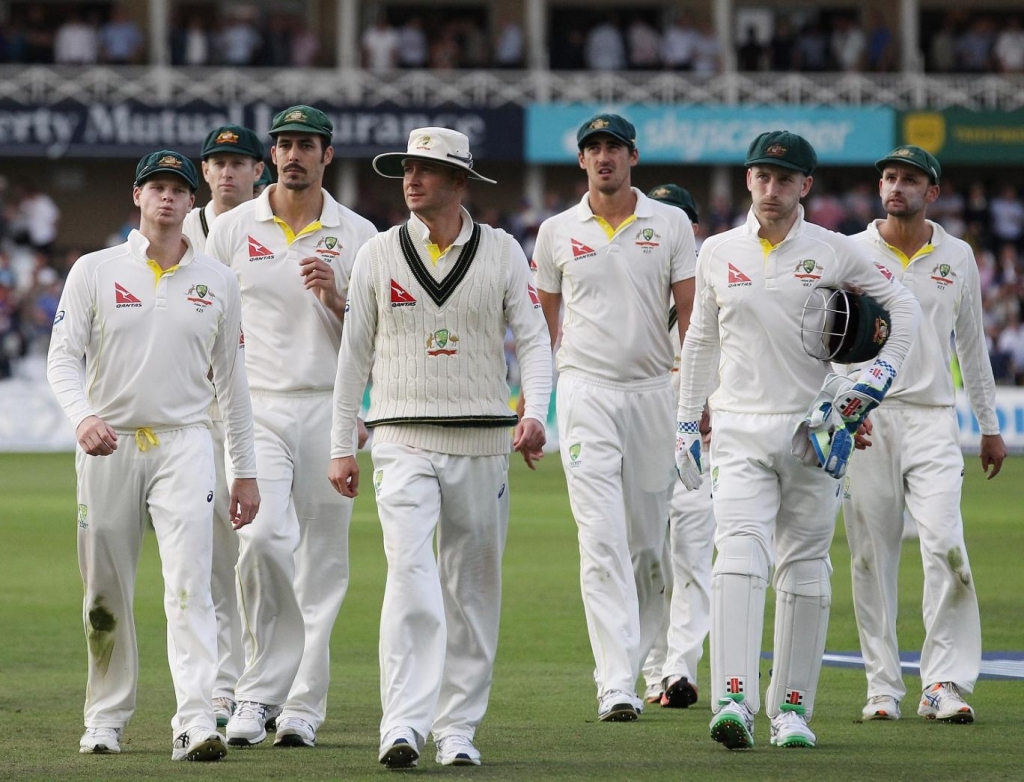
(240, 34)
(33, 262)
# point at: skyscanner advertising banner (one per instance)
(715, 134)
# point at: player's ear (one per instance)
(136, 190)
(805, 188)
(328, 155)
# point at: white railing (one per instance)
(175, 86)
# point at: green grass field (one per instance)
(541, 723)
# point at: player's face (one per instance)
(776, 192)
(300, 159)
(905, 190)
(608, 163)
(431, 189)
(231, 177)
(163, 200)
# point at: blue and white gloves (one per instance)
(688, 457)
(823, 441)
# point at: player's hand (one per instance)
(862, 439)
(362, 433)
(529, 439)
(245, 501)
(688, 454)
(993, 451)
(343, 473)
(318, 276)
(853, 404)
(96, 437)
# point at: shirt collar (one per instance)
(421, 233)
(751, 226)
(138, 247)
(330, 214)
(938, 233)
(643, 206)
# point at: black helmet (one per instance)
(843, 326)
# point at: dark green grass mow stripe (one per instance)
(541, 723)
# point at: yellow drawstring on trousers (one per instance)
(145, 438)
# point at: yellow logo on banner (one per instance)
(926, 129)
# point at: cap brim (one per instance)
(176, 172)
(774, 161)
(902, 161)
(389, 164)
(298, 128)
(230, 149)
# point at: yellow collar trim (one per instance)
(158, 271)
(766, 246)
(607, 227)
(290, 236)
(926, 250)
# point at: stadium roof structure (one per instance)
(49, 85)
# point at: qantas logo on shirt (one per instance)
(257, 252)
(533, 296)
(400, 297)
(124, 298)
(580, 250)
(885, 272)
(736, 277)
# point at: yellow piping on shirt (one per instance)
(607, 227)
(926, 250)
(159, 271)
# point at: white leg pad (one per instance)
(803, 595)
(738, 584)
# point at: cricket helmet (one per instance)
(843, 326)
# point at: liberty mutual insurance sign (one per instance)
(131, 129)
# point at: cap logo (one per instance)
(661, 192)
(424, 142)
(296, 116)
(598, 124)
(169, 161)
(227, 137)
(902, 152)
(775, 150)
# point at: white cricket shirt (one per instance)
(749, 299)
(615, 290)
(292, 339)
(943, 276)
(149, 344)
(193, 226)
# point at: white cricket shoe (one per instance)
(789, 728)
(618, 706)
(248, 725)
(199, 744)
(653, 693)
(881, 707)
(101, 741)
(400, 748)
(733, 726)
(223, 708)
(457, 751)
(942, 701)
(294, 732)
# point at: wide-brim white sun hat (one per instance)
(438, 145)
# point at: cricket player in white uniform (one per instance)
(752, 283)
(615, 258)
(430, 303)
(149, 318)
(232, 159)
(292, 250)
(915, 459)
(670, 671)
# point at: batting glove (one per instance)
(688, 457)
(838, 457)
(867, 393)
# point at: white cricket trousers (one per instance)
(230, 658)
(172, 484)
(687, 566)
(293, 559)
(618, 467)
(914, 461)
(439, 620)
(763, 496)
